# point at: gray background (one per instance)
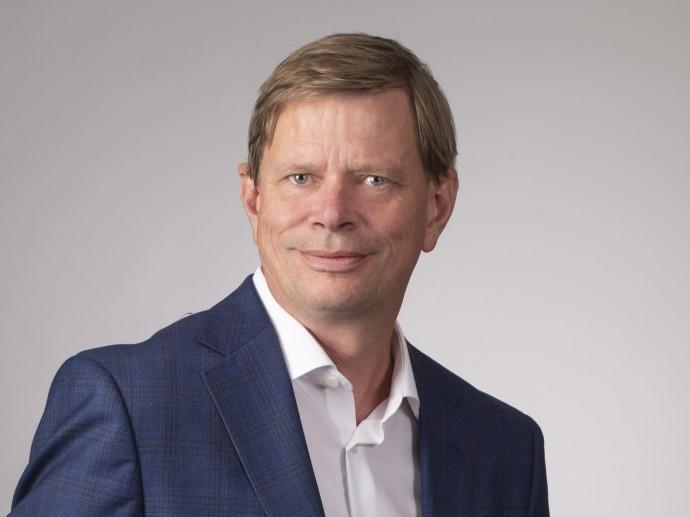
(560, 286)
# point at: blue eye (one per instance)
(299, 178)
(375, 181)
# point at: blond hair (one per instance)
(357, 63)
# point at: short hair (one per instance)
(357, 63)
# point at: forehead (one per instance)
(374, 126)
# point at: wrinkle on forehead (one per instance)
(350, 131)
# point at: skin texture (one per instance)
(340, 213)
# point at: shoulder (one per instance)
(477, 412)
(504, 445)
(170, 339)
(191, 342)
(176, 354)
(172, 343)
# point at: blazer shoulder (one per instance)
(84, 440)
(171, 340)
(503, 443)
(190, 343)
(473, 403)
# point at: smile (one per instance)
(332, 261)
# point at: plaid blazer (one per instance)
(201, 420)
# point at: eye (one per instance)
(375, 181)
(299, 178)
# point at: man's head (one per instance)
(357, 63)
(345, 186)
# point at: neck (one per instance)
(363, 353)
(359, 343)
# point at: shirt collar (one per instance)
(303, 353)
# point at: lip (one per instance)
(333, 261)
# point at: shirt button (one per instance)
(354, 450)
(332, 382)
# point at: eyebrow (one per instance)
(357, 169)
(297, 166)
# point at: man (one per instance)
(298, 395)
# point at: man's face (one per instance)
(343, 207)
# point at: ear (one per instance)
(442, 195)
(249, 194)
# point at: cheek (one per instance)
(276, 223)
(403, 230)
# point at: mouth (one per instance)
(339, 261)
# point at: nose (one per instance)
(334, 208)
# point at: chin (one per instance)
(344, 302)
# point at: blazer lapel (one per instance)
(445, 462)
(252, 390)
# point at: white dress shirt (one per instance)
(370, 469)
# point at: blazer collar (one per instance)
(253, 393)
(234, 321)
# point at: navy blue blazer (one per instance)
(201, 420)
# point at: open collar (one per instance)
(303, 354)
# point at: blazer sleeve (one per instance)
(83, 459)
(539, 499)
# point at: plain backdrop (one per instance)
(561, 284)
